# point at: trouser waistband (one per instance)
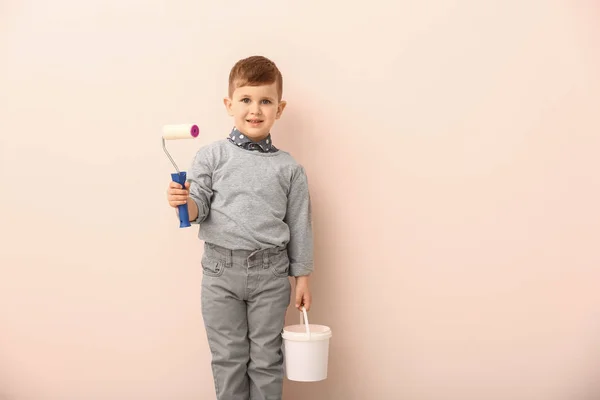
(247, 257)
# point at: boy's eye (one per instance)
(247, 100)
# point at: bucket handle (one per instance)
(303, 313)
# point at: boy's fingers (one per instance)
(177, 191)
(306, 301)
(177, 200)
(303, 299)
(175, 185)
(298, 300)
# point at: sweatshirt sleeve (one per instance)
(299, 219)
(200, 178)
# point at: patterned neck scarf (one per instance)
(239, 139)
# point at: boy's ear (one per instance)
(227, 103)
(280, 108)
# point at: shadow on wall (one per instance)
(299, 135)
(586, 385)
(3, 386)
(295, 133)
(304, 138)
(590, 389)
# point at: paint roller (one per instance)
(176, 132)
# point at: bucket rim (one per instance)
(325, 328)
(323, 331)
(304, 337)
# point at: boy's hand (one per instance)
(176, 195)
(303, 297)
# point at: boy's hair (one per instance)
(255, 71)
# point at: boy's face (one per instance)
(255, 109)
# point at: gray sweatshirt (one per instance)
(248, 200)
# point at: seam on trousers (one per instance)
(214, 371)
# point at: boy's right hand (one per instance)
(177, 195)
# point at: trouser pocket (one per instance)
(280, 265)
(212, 267)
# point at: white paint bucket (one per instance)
(306, 349)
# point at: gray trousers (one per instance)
(245, 296)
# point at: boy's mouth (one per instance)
(254, 121)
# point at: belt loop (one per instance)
(229, 258)
(266, 258)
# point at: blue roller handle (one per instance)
(184, 216)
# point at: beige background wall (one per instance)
(452, 152)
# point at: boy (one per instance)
(253, 206)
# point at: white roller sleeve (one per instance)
(180, 131)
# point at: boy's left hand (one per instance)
(303, 297)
